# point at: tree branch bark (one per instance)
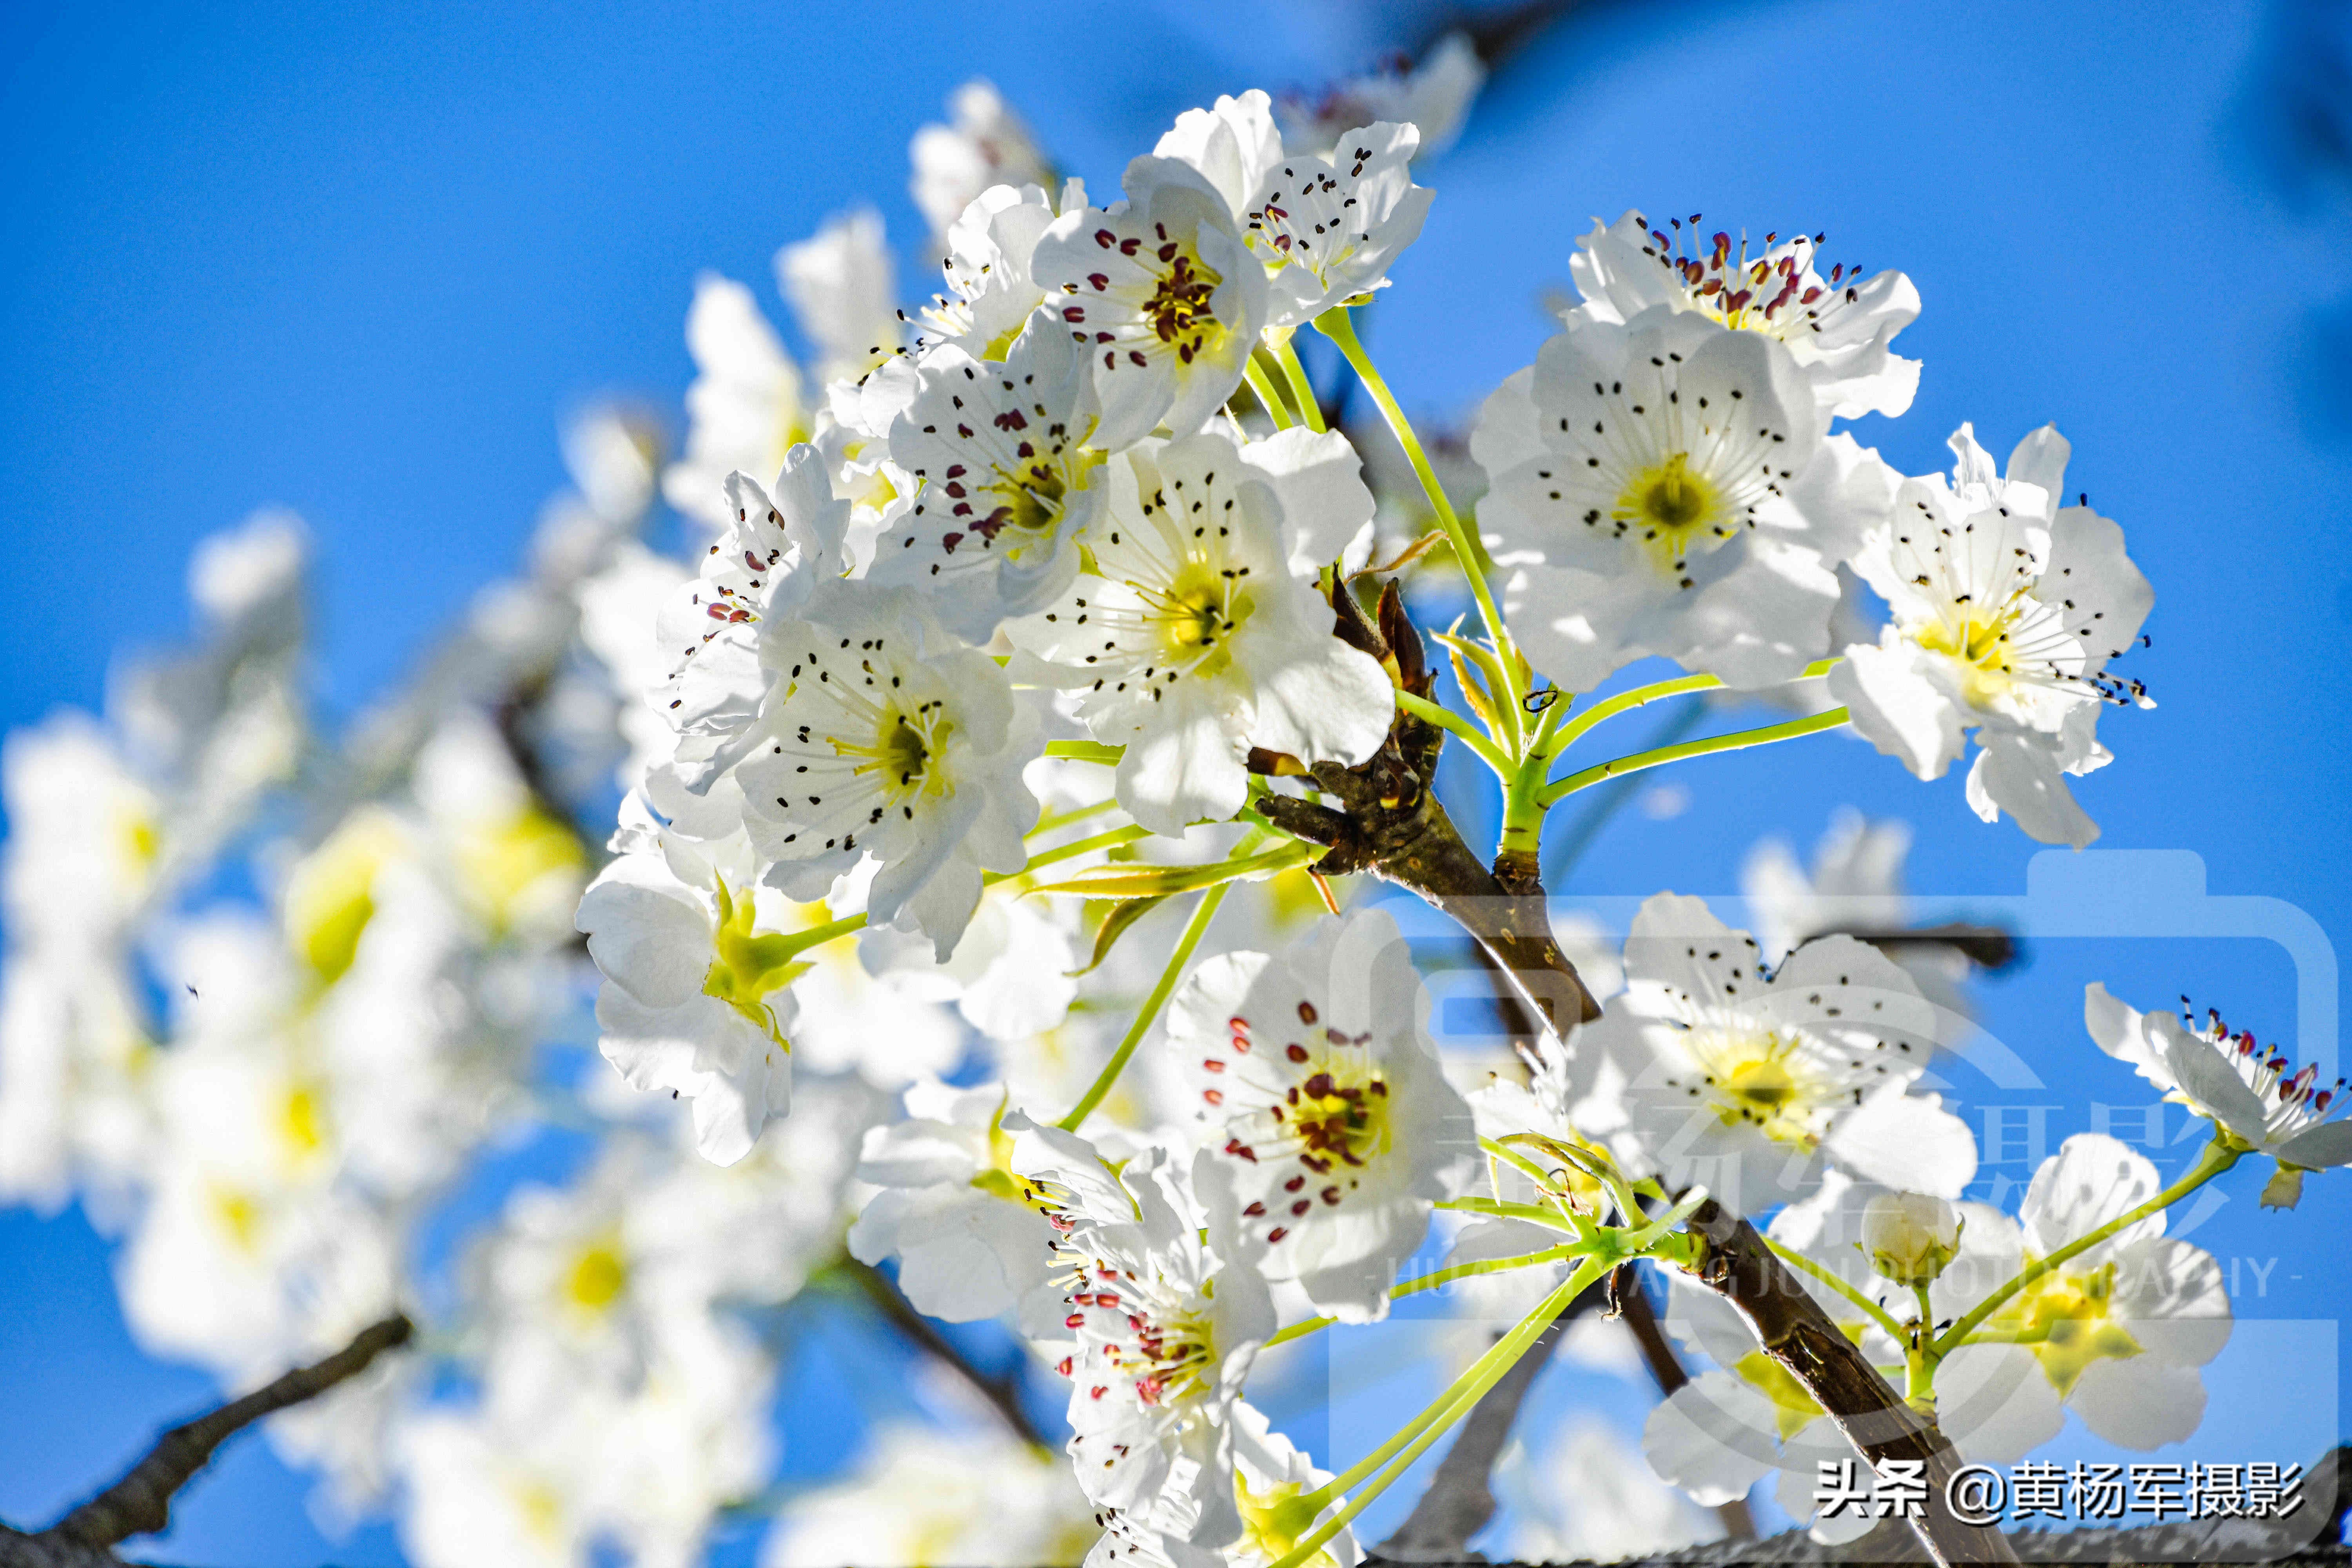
(1388, 823)
(1794, 1332)
(141, 1502)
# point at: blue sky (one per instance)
(359, 262)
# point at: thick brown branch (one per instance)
(1794, 1332)
(141, 1502)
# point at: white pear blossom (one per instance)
(695, 998)
(985, 144)
(760, 572)
(1837, 328)
(1009, 482)
(1190, 642)
(1270, 1474)
(1167, 1320)
(1712, 1069)
(970, 1239)
(74, 1109)
(922, 1494)
(1330, 224)
(888, 737)
(1662, 486)
(1165, 294)
(842, 291)
(86, 836)
(2006, 608)
(1316, 1083)
(2244, 1089)
(2116, 1333)
(1326, 224)
(991, 290)
(746, 408)
(1434, 93)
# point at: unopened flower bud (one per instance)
(1910, 1236)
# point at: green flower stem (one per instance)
(1642, 1240)
(1805, 1265)
(1740, 741)
(1643, 696)
(1198, 927)
(1039, 861)
(1520, 844)
(1440, 1278)
(1087, 751)
(1335, 325)
(1515, 1158)
(2211, 1161)
(1461, 729)
(817, 936)
(1399, 1451)
(1919, 1359)
(1302, 390)
(1491, 1209)
(1263, 385)
(1061, 819)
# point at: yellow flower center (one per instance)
(1197, 615)
(1670, 509)
(906, 742)
(1343, 1114)
(240, 1216)
(541, 1511)
(299, 1120)
(1759, 1079)
(598, 1277)
(330, 895)
(1980, 645)
(2071, 1313)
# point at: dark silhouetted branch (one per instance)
(141, 1502)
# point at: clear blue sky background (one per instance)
(359, 262)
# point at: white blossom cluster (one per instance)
(1005, 620)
